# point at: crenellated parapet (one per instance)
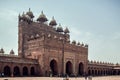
(1, 51)
(37, 32)
(100, 63)
(11, 54)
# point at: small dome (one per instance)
(1, 50)
(25, 17)
(73, 42)
(117, 64)
(91, 61)
(86, 45)
(53, 22)
(94, 61)
(42, 17)
(12, 52)
(29, 13)
(82, 44)
(78, 43)
(59, 28)
(66, 30)
(20, 17)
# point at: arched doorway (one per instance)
(32, 71)
(54, 67)
(119, 72)
(101, 72)
(92, 72)
(96, 72)
(81, 69)
(89, 72)
(16, 71)
(25, 71)
(69, 68)
(7, 71)
(104, 72)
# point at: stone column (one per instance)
(12, 70)
(21, 70)
(28, 71)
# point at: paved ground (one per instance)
(55, 78)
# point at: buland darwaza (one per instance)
(45, 49)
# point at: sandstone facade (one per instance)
(45, 49)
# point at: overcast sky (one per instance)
(93, 22)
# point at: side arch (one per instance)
(16, 71)
(25, 71)
(7, 71)
(81, 69)
(69, 68)
(54, 67)
(32, 71)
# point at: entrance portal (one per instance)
(53, 67)
(69, 68)
(16, 71)
(25, 71)
(7, 71)
(32, 71)
(81, 69)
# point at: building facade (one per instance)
(45, 49)
(50, 44)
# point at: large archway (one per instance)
(54, 67)
(92, 72)
(25, 71)
(119, 72)
(69, 68)
(89, 72)
(16, 71)
(7, 71)
(81, 69)
(98, 72)
(32, 71)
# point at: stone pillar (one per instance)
(12, 70)
(28, 71)
(1, 68)
(21, 71)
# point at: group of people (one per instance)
(1, 74)
(88, 77)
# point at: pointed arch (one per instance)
(69, 68)
(81, 69)
(16, 71)
(7, 71)
(89, 72)
(32, 71)
(54, 67)
(25, 71)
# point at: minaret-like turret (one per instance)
(42, 18)
(66, 30)
(2, 50)
(53, 22)
(12, 52)
(59, 28)
(30, 14)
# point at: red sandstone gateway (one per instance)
(45, 50)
